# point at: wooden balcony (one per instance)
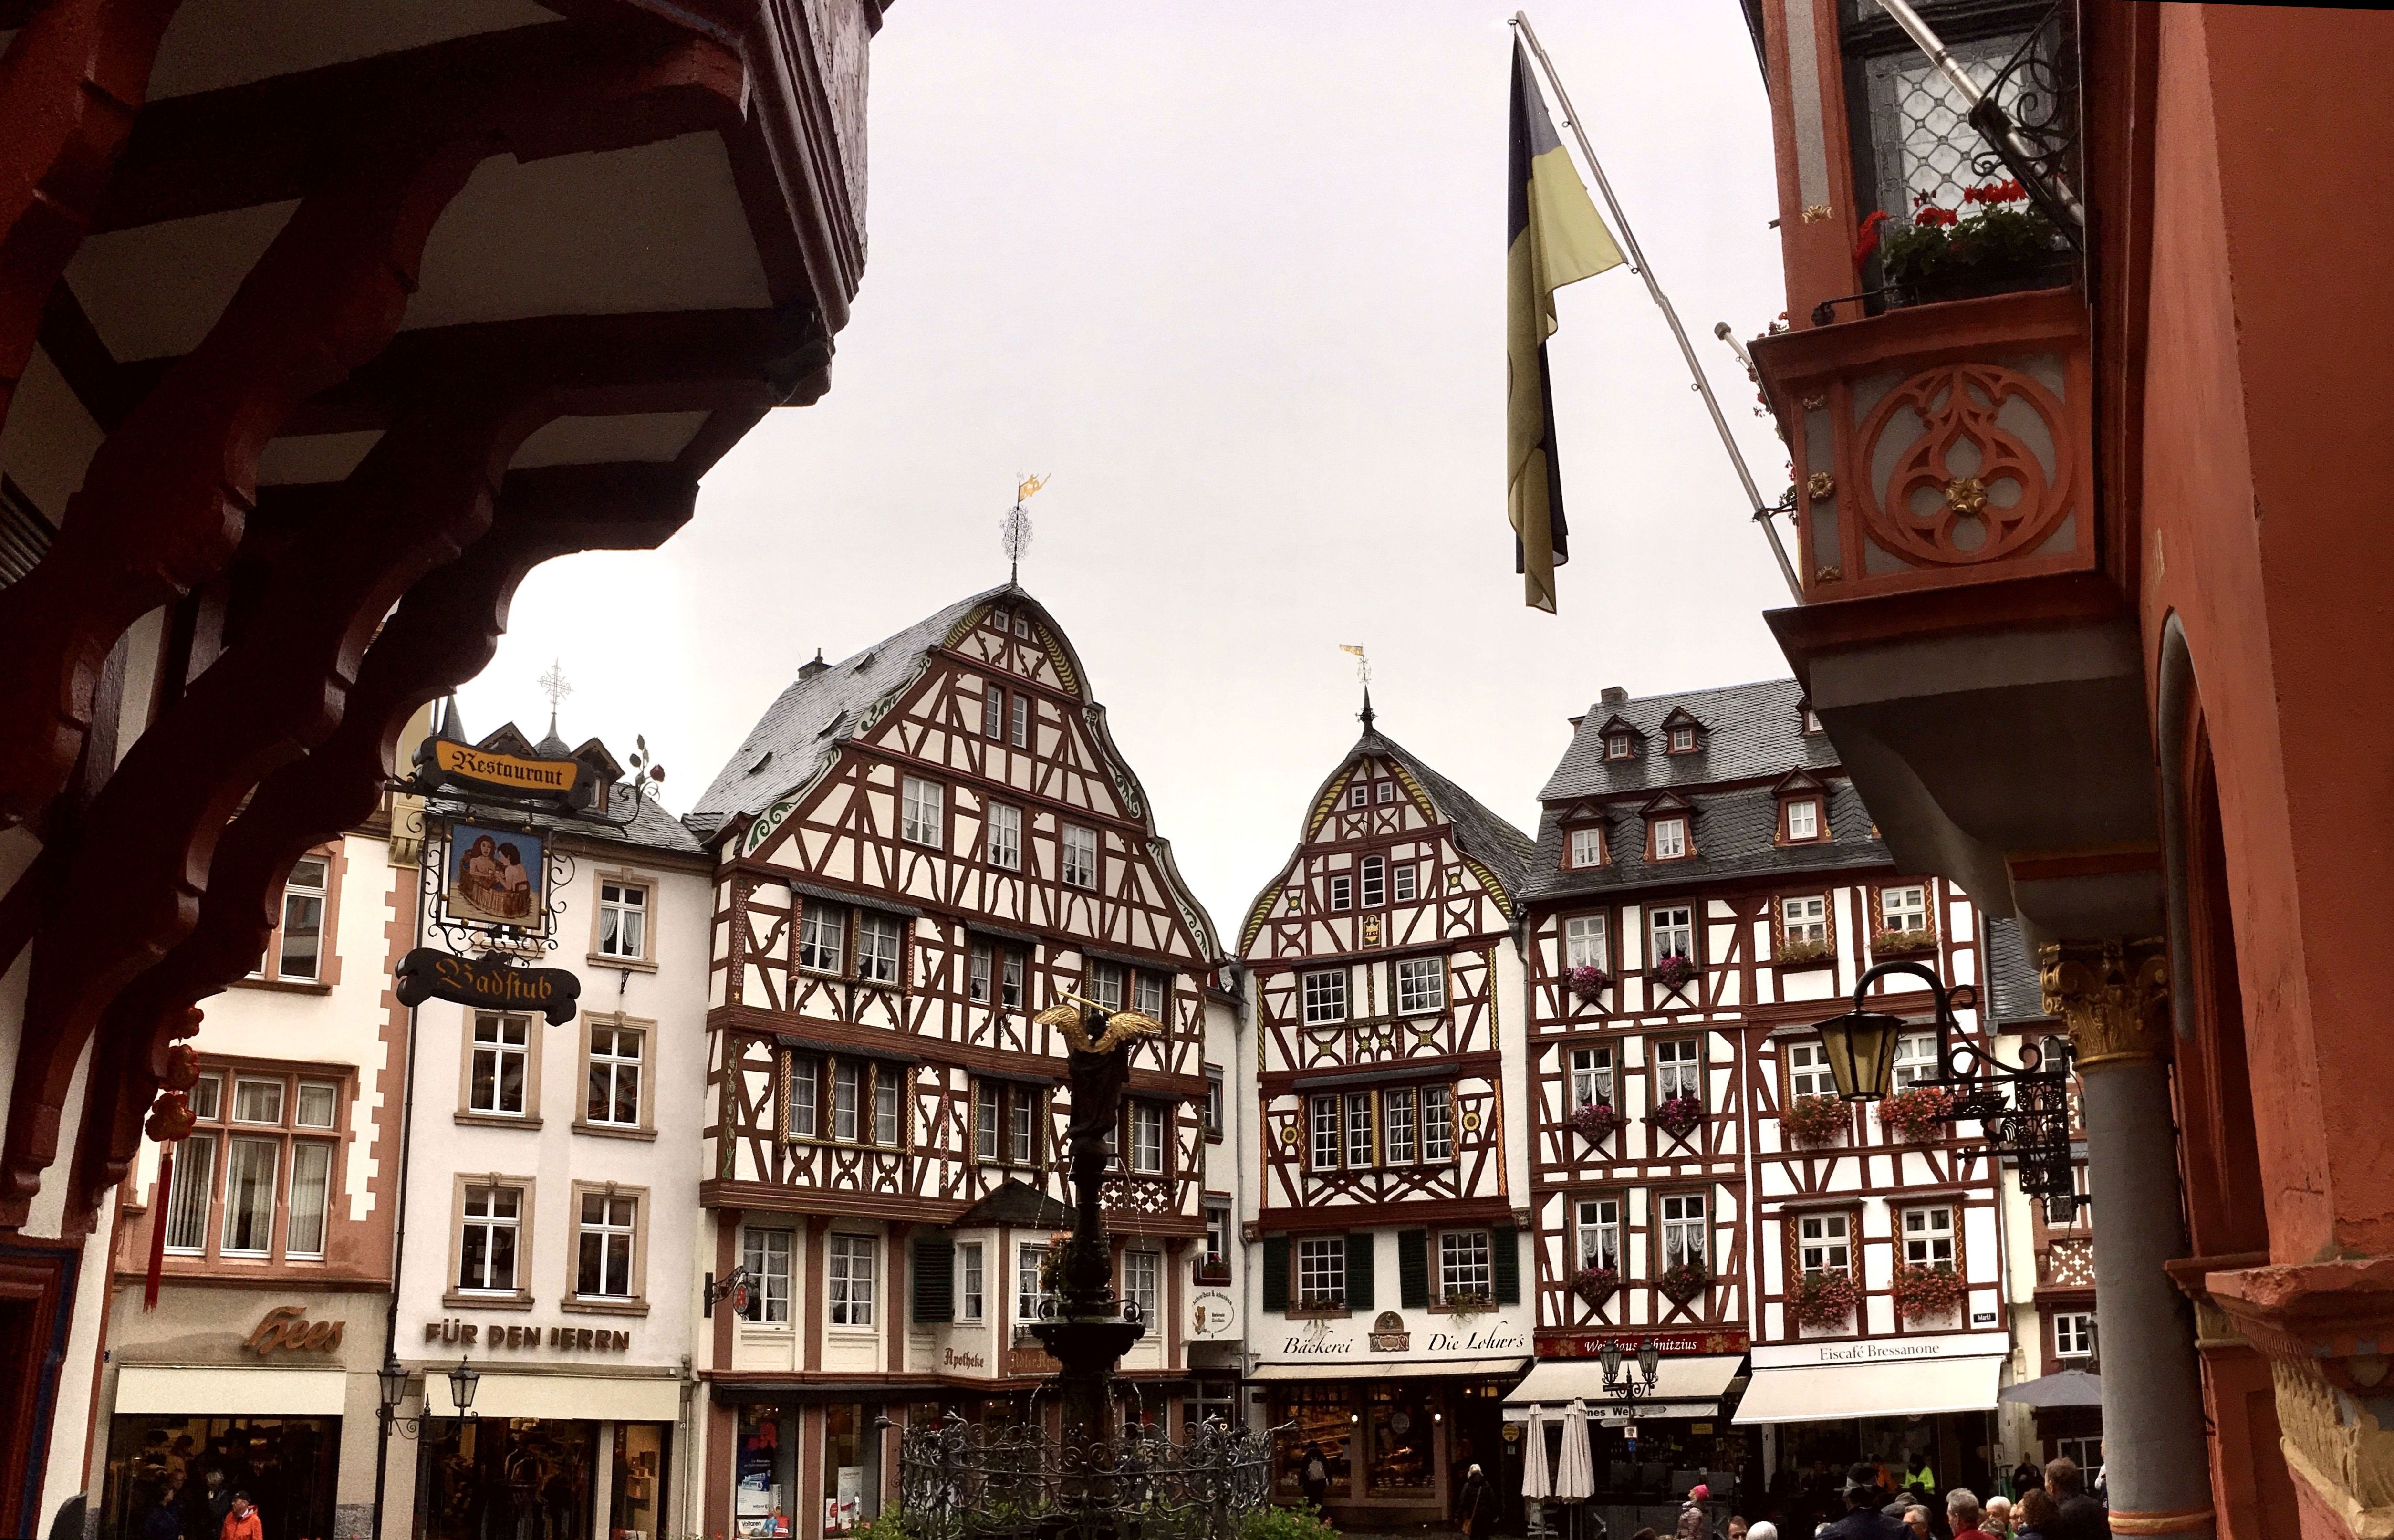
(1939, 445)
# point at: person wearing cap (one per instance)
(1693, 1525)
(1864, 1498)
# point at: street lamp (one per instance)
(1624, 1387)
(463, 1381)
(1861, 1049)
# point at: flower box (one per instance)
(1791, 953)
(1945, 254)
(1813, 1121)
(1684, 1282)
(1598, 1121)
(1596, 1285)
(1921, 1293)
(1679, 1116)
(1467, 1304)
(1674, 973)
(1915, 1113)
(1821, 1300)
(1589, 983)
(1889, 943)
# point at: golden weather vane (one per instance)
(1015, 526)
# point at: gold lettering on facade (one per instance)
(286, 1328)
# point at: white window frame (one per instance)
(1006, 836)
(490, 1222)
(1807, 1071)
(1684, 1223)
(848, 1079)
(1803, 919)
(926, 820)
(1586, 942)
(1592, 1079)
(1803, 818)
(1147, 994)
(1372, 881)
(1013, 969)
(980, 980)
(851, 1275)
(1342, 891)
(1105, 980)
(1671, 836)
(1405, 882)
(1321, 1272)
(1325, 1131)
(616, 1230)
(1143, 1281)
(497, 1050)
(1586, 847)
(1386, 792)
(1147, 1139)
(766, 1253)
(889, 1105)
(1679, 1068)
(1683, 738)
(989, 1120)
(1824, 1242)
(193, 1195)
(1217, 1235)
(803, 1111)
(2074, 1333)
(1599, 1232)
(823, 936)
(992, 713)
(1421, 986)
(1029, 1290)
(1467, 1264)
(1325, 997)
(1616, 745)
(1363, 1131)
(1915, 1059)
(1929, 1235)
(1438, 1124)
(623, 919)
(972, 1282)
(1080, 866)
(880, 949)
(615, 1067)
(298, 893)
(1358, 796)
(1671, 932)
(1904, 907)
(1400, 1130)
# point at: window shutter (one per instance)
(1275, 1272)
(1504, 1251)
(1359, 1270)
(1413, 1268)
(935, 1278)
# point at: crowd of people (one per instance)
(1876, 1503)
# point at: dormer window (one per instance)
(1586, 847)
(1671, 837)
(1683, 740)
(1616, 745)
(1803, 818)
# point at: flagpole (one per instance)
(1762, 511)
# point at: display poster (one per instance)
(758, 1510)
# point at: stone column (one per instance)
(2114, 996)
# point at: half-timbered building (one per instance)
(1384, 977)
(918, 850)
(1708, 885)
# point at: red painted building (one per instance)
(2087, 611)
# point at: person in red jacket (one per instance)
(241, 1521)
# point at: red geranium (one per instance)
(1866, 241)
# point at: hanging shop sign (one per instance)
(1210, 1314)
(428, 973)
(516, 777)
(496, 876)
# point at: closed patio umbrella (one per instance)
(1574, 1471)
(1534, 1484)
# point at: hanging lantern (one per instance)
(1861, 1049)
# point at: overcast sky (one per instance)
(1234, 274)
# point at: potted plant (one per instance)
(1916, 1113)
(1921, 1293)
(1673, 973)
(1813, 1121)
(1677, 1116)
(1598, 1121)
(2002, 244)
(1787, 953)
(1821, 1300)
(1889, 943)
(1589, 982)
(1683, 1280)
(1468, 1302)
(1595, 1285)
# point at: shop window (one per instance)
(972, 1282)
(1674, 930)
(1325, 998)
(1005, 837)
(1807, 1071)
(249, 1184)
(1915, 1059)
(1405, 881)
(765, 1474)
(1683, 1235)
(1143, 1283)
(766, 1254)
(1402, 1458)
(1678, 1069)
(1030, 1284)
(1310, 1420)
(1214, 1094)
(1396, 1126)
(1929, 1236)
(1375, 881)
(1146, 995)
(1421, 986)
(852, 1493)
(1591, 1077)
(1584, 943)
(924, 813)
(1147, 1151)
(636, 1503)
(604, 1241)
(623, 921)
(1824, 1242)
(1216, 1401)
(1599, 1232)
(1080, 857)
(490, 1239)
(1361, 1146)
(2074, 1333)
(1465, 1265)
(292, 1463)
(612, 1064)
(848, 1281)
(1322, 1272)
(1437, 1123)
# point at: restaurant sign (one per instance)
(518, 776)
(1567, 1344)
(428, 973)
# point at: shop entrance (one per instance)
(195, 1465)
(506, 1479)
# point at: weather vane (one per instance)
(1015, 526)
(1364, 677)
(553, 685)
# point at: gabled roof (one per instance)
(802, 729)
(1501, 850)
(1752, 730)
(1018, 1205)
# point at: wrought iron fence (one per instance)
(959, 1482)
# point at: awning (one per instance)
(1683, 1388)
(567, 1395)
(2069, 1387)
(1830, 1392)
(1380, 1368)
(234, 1392)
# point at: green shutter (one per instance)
(1505, 1245)
(1359, 1270)
(935, 1278)
(1413, 1268)
(1275, 1272)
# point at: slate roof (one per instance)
(2013, 993)
(1018, 1205)
(1753, 730)
(651, 828)
(801, 731)
(1754, 734)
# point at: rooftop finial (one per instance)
(1016, 525)
(1363, 677)
(553, 685)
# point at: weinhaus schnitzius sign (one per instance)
(428, 973)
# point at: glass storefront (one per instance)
(1305, 1418)
(764, 1476)
(195, 1465)
(539, 1479)
(847, 1497)
(1403, 1458)
(636, 1496)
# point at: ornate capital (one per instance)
(2114, 995)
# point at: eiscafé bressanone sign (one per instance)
(428, 973)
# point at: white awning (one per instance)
(1829, 1392)
(1683, 1388)
(234, 1392)
(568, 1396)
(1381, 1368)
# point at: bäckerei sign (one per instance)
(494, 983)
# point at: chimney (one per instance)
(1614, 695)
(809, 670)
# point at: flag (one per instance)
(1554, 237)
